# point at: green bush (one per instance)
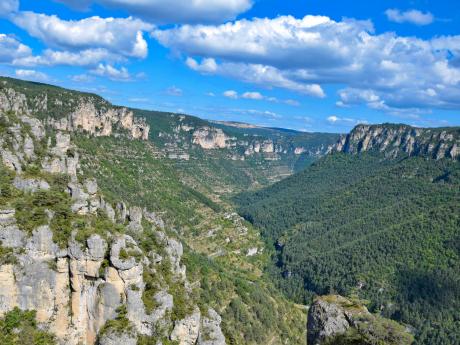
(20, 328)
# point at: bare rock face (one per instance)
(326, 319)
(397, 140)
(10, 100)
(210, 138)
(331, 317)
(210, 331)
(100, 122)
(10, 235)
(186, 330)
(30, 184)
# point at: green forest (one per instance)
(387, 230)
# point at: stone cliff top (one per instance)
(398, 140)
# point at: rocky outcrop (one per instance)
(398, 140)
(100, 122)
(266, 146)
(327, 318)
(210, 331)
(186, 331)
(85, 113)
(335, 317)
(210, 138)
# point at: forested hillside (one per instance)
(386, 229)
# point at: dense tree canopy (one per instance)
(388, 230)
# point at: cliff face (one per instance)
(398, 140)
(67, 111)
(338, 320)
(94, 271)
(101, 122)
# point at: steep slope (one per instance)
(381, 219)
(92, 220)
(222, 158)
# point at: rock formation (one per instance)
(333, 319)
(210, 138)
(87, 282)
(398, 140)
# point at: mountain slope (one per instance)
(377, 219)
(108, 243)
(223, 158)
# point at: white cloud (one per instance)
(11, 49)
(256, 96)
(412, 16)
(122, 36)
(231, 94)
(31, 75)
(252, 95)
(173, 11)
(206, 66)
(112, 73)
(87, 57)
(8, 7)
(332, 119)
(174, 91)
(336, 120)
(305, 54)
(265, 76)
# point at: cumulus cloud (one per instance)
(257, 96)
(173, 11)
(207, 66)
(84, 58)
(231, 94)
(305, 54)
(29, 74)
(111, 72)
(263, 75)
(412, 16)
(123, 36)
(252, 95)
(11, 49)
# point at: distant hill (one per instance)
(378, 217)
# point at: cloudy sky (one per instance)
(311, 65)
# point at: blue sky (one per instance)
(311, 65)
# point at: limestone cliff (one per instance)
(399, 140)
(94, 271)
(338, 320)
(66, 111)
